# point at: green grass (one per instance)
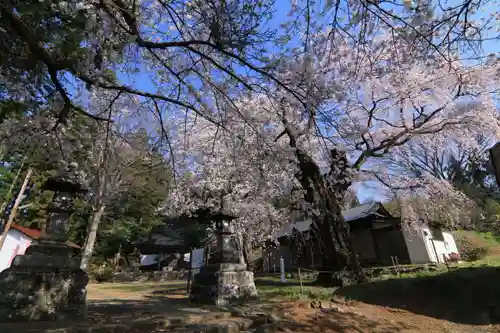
(488, 240)
(492, 260)
(271, 288)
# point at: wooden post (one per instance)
(158, 257)
(446, 262)
(301, 287)
(189, 273)
(397, 264)
(13, 212)
(206, 254)
(435, 251)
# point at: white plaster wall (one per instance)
(444, 248)
(440, 250)
(197, 258)
(149, 259)
(417, 247)
(433, 247)
(450, 242)
(436, 249)
(15, 243)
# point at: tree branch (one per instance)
(53, 67)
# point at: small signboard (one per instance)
(495, 160)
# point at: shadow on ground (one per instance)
(120, 310)
(118, 316)
(275, 283)
(137, 287)
(129, 308)
(467, 296)
(169, 300)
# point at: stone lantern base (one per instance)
(223, 284)
(44, 284)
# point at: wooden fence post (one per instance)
(13, 212)
(300, 280)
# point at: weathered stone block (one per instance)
(35, 293)
(223, 267)
(223, 287)
(50, 248)
(36, 261)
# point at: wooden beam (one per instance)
(25, 206)
(13, 212)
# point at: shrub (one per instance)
(102, 274)
(470, 250)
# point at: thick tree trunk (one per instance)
(99, 204)
(329, 227)
(92, 228)
(339, 253)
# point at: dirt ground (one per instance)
(360, 317)
(111, 300)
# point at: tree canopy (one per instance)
(247, 105)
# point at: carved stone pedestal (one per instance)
(222, 284)
(44, 284)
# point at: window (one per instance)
(436, 233)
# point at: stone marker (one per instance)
(46, 283)
(225, 279)
(282, 270)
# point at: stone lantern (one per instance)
(228, 248)
(225, 278)
(65, 191)
(46, 282)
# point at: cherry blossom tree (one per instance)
(443, 29)
(378, 97)
(352, 91)
(235, 167)
(189, 51)
(368, 102)
(449, 160)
